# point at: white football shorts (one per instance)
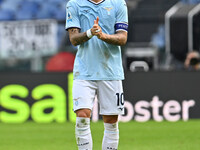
(109, 94)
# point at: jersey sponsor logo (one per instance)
(69, 16)
(86, 11)
(108, 9)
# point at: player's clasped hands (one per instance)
(96, 29)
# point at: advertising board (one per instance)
(162, 96)
(47, 97)
(41, 97)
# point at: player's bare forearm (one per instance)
(120, 38)
(77, 38)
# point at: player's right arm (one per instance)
(73, 24)
(77, 38)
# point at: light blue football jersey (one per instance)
(96, 59)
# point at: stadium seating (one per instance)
(29, 6)
(145, 19)
(24, 15)
(158, 38)
(6, 15)
(34, 9)
(10, 5)
(191, 1)
(52, 10)
(59, 1)
(60, 15)
(38, 1)
(27, 10)
(43, 14)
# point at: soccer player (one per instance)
(98, 28)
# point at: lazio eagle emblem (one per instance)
(108, 9)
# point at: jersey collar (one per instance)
(95, 2)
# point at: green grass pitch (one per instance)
(133, 136)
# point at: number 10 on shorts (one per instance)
(120, 99)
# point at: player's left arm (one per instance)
(121, 26)
(119, 38)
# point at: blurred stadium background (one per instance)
(162, 98)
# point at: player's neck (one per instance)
(96, 1)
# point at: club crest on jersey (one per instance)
(69, 16)
(108, 9)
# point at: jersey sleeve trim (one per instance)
(121, 30)
(72, 27)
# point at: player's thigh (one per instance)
(111, 97)
(83, 94)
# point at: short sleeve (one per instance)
(121, 16)
(72, 18)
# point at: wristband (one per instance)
(89, 33)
